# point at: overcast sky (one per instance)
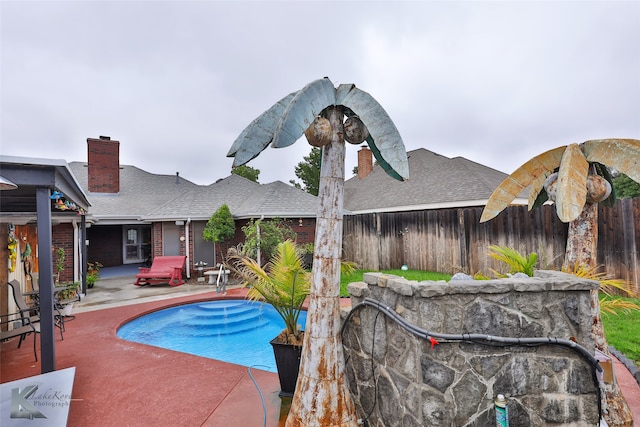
(176, 81)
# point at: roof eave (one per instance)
(432, 206)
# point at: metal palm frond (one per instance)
(302, 110)
(620, 154)
(571, 193)
(384, 139)
(537, 194)
(259, 134)
(520, 179)
(285, 122)
(572, 163)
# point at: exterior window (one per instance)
(132, 236)
(137, 241)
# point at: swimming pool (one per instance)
(235, 331)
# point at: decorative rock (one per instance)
(357, 289)
(436, 375)
(461, 276)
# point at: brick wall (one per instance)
(365, 162)
(156, 239)
(62, 238)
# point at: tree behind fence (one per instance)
(453, 240)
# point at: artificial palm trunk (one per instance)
(582, 245)
(322, 396)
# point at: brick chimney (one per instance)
(104, 165)
(365, 162)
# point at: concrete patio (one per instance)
(124, 383)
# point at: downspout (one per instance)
(258, 240)
(83, 252)
(77, 257)
(186, 235)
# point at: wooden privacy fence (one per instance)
(453, 240)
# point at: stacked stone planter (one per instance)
(398, 379)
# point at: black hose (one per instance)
(484, 339)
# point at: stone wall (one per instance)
(411, 381)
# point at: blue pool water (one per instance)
(235, 331)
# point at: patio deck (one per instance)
(121, 383)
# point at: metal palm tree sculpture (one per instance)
(577, 179)
(318, 111)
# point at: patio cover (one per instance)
(36, 180)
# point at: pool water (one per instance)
(235, 331)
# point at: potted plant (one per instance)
(92, 278)
(93, 273)
(285, 284)
(66, 296)
(307, 250)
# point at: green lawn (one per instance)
(623, 330)
(418, 275)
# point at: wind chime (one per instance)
(61, 203)
(13, 248)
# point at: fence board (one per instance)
(453, 240)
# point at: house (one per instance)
(184, 218)
(120, 197)
(137, 215)
(435, 182)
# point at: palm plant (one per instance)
(577, 179)
(318, 111)
(608, 284)
(516, 262)
(282, 282)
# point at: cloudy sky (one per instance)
(176, 81)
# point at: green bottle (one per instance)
(502, 413)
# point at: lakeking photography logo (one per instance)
(27, 402)
(41, 400)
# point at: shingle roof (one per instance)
(278, 199)
(245, 198)
(435, 181)
(140, 192)
(151, 197)
(202, 201)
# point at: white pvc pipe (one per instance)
(186, 236)
(77, 251)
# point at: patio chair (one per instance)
(19, 323)
(34, 309)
